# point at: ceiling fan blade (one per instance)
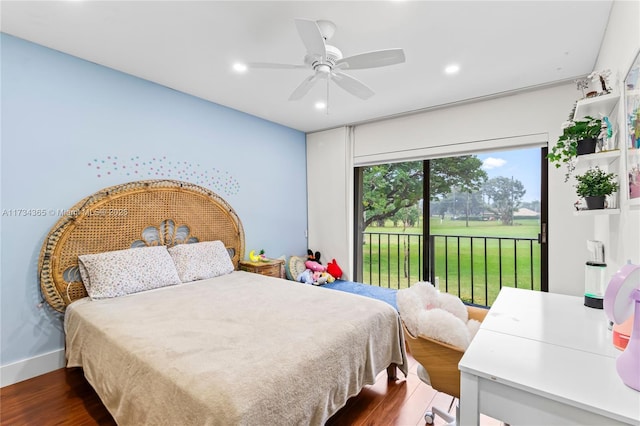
(377, 58)
(274, 66)
(303, 88)
(352, 85)
(311, 37)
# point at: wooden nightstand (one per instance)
(271, 268)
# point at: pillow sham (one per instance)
(122, 272)
(199, 261)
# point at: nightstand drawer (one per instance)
(272, 268)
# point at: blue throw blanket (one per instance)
(385, 294)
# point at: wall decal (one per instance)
(162, 168)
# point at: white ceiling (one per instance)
(190, 46)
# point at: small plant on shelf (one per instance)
(574, 132)
(597, 183)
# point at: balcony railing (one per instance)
(474, 268)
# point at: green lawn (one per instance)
(400, 254)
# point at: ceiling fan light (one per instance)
(452, 69)
(240, 67)
(323, 70)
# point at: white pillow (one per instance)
(443, 326)
(199, 261)
(453, 304)
(121, 272)
(441, 316)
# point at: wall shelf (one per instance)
(605, 158)
(597, 105)
(597, 212)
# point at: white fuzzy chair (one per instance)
(438, 328)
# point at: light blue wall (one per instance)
(63, 117)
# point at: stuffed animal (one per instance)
(330, 277)
(315, 266)
(315, 273)
(319, 278)
(314, 257)
(316, 278)
(305, 276)
(334, 269)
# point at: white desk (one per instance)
(544, 359)
(552, 318)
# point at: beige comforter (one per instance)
(237, 349)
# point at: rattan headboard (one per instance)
(142, 213)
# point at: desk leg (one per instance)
(469, 400)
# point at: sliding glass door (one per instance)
(470, 224)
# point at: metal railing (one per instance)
(474, 268)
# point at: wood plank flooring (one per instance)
(63, 397)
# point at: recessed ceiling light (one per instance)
(452, 69)
(320, 105)
(239, 67)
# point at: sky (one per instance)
(521, 164)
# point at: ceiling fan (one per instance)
(327, 62)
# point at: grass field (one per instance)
(512, 259)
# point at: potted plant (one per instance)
(578, 137)
(594, 185)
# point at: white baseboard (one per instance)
(31, 367)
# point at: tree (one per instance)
(439, 207)
(452, 203)
(505, 195)
(408, 216)
(389, 188)
(464, 172)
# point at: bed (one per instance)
(387, 295)
(236, 348)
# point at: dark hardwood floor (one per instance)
(63, 397)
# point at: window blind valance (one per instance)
(452, 149)
(522, 120)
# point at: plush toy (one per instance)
(260, 257)
(305, 276)
(316, 278)
(329, 277)
(315, 266)
(315, 273)
(314, 257)
(334, 269)
(319, 278)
